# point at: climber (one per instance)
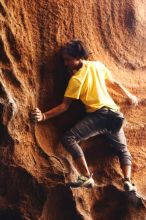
(89, 81)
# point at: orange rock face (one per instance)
(33, 165)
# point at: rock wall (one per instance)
(33, 165)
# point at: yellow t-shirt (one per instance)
(88, 85)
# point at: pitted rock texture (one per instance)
(34, 167)
(122, 31)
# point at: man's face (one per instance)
(71, 62)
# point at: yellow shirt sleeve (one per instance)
(73, 89)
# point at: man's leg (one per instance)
(117, 141)
(126, 171)
(90, 126)
(82, 166)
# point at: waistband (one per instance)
(107, 108)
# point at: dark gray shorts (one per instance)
(103, 121)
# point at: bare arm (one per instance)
(39, 116)
(119, 88)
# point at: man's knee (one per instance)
(68, 138)
(69, 141)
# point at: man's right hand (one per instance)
(37, 115)
(133, 100)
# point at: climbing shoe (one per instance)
(82, 181)
(128, 185)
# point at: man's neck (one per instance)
(81, 64)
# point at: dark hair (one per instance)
(76, 49)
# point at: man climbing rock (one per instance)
(89, 82)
